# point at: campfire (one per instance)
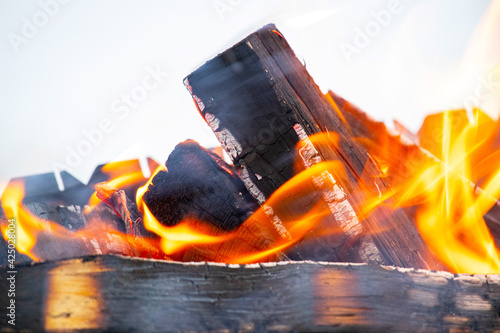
(310, 193)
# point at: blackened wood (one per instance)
(199, 185)
(125, 208)
(260, 102)
(108, 293)
(59, 237)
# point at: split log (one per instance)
(261, 103)
(108, 293)
(403, 153)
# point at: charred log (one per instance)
(260, 102)
(201, 186)
(124, 208)
(108, 293)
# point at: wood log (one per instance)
(199, 185)
(261, 103)
(205, 193)
(402, 152)
(61, 236)
(124, 208)
(110, 293)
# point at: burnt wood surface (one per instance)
(260, 102)
(199, 185)
(54, 242)
(44, 200)
(124, 208)
(109, 293)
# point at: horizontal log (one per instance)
(122, 294)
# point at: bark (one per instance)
(121, 294)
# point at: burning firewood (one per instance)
(53, 224)
(404, 159)
(66, 232)
(201, 199)
(199, 185)
(262, 104)
(125, 208)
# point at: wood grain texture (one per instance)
(261, 102)
(122, 294)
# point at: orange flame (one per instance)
(27, 227)
(29, 230)
(450, 216)
(242, 244)
(122, 174)
(440, 182)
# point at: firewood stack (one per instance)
(275, 124)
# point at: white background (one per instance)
(65, 78)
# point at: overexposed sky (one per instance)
(67, 67)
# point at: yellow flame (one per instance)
(122, 173)
(451, 220)
(11, 204)
(141, 190)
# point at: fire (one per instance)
(11, 200)
(141, 190)
(125, 173)
(455, 155)
(189, 234)
(450, 212)
(241, 242)
(441, 180)
(27, 227)
(31, 230)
